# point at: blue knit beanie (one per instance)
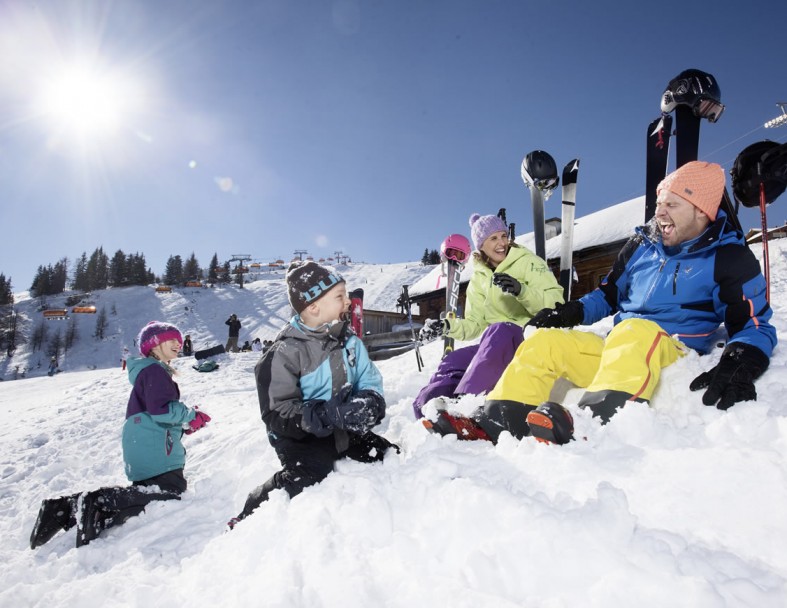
(483, 226)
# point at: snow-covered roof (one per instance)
(609, 225)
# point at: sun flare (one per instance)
(86, 101)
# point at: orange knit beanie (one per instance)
(700, 183)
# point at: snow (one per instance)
(674, 504)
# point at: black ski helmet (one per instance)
(542, 168)
(764, 162)
(697, 90)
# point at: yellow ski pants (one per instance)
(629, 360)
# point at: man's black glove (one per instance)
(355, 413)
(433, 328)
(732, 380)
(507, 283)
(562, 315)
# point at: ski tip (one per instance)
(570, 170)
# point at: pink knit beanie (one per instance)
(155, 333)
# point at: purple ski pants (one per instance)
(473, 369)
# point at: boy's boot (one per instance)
(551, 423)
(54, 515)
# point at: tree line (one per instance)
(98, 271)
(430, 257)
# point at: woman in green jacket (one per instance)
(509, 285)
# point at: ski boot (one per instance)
(448, 424)
(93, 518)
(551, 423)
(54, 515)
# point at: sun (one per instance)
(86, 101)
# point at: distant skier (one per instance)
(53, 367)
(674, 283)
(509, 285)
(234, 331)
(188, 348)
(153, 453)
(320, 395)
(124, 358)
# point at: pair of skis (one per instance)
(452, 269)
(541, 189)
(687, 139)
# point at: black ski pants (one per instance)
(308, 461)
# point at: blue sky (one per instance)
(372, 128)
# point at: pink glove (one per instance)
(200, 420)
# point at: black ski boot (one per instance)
(551, 423)
(93, 518)
(54, 515)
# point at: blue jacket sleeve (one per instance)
(605, 299)
(365, 376)
(740, 298)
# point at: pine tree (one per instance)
(213, 269)
(173, 273)
(60, 276)
(224, 273)
(81, 282)
(6, 294)
(191, 269)
(40, 284)
(101, 324)
(98, 270)
(118, 273)
(425, 257)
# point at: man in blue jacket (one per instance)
(671, 288)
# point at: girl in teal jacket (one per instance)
(152, 450)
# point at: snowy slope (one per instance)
(676, 504)
(261, 306)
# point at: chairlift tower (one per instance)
(779, 121)
(300, 253)
(240, 268)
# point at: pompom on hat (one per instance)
(698, 182)
(308, 281)
(155, 333)
(483, 226)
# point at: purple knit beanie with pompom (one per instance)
(155, 333)
(483, 226)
